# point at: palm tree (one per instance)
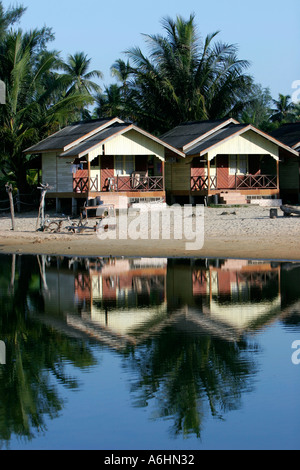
(9, 17)
(186, 79)
(110, 103)
(76, 71)
(36, 100)
(121, 70)
(284, 109)
(116, 99)
(258, 112)
(297, 112)
(39, 100)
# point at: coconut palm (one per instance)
(109, 103)
(9, 17)
(39, 100)
(284, 109)
(297, 111)
(186, 79)
(36, 101)
(121, 70)
(76, 71)
(258, 111)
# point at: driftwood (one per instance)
(290, 210)
(56, 226)
(44, 188)
(77, 226)
(53, 226)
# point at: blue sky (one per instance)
(266, 31)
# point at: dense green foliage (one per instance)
(39, 99)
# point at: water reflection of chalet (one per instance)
(237, 293)
(123, 301)
(111, 300)
(124, 294)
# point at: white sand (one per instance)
(236, 232)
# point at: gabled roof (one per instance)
(186, 134)
(289, 134)
(88, 144)
(70, 135)
(229, 132)
(80, 138)
(108, 133)
(216, 138)
(196, 138)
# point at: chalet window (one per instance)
(124, 165)
(238, 164)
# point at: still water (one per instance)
(152, 354)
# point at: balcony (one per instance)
(255, 182)
(81, 185)
(200, 183)
(134, 183)
(235, 182)
(137, 182)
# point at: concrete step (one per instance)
(119, 201)
(233, 197)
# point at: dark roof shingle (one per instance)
(67, 136)
(95, 140)
(289, 134)
(216, 138)
(185, 133)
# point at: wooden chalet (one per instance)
(289, 134)
(225, 161)
(101, 160)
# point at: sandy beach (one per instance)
(229, 232)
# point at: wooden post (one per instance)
(89, 177)
(277, 173)
(9, 190)
(163, 174)
(208, 175)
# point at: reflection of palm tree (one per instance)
(190, 376)
(27, 393)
